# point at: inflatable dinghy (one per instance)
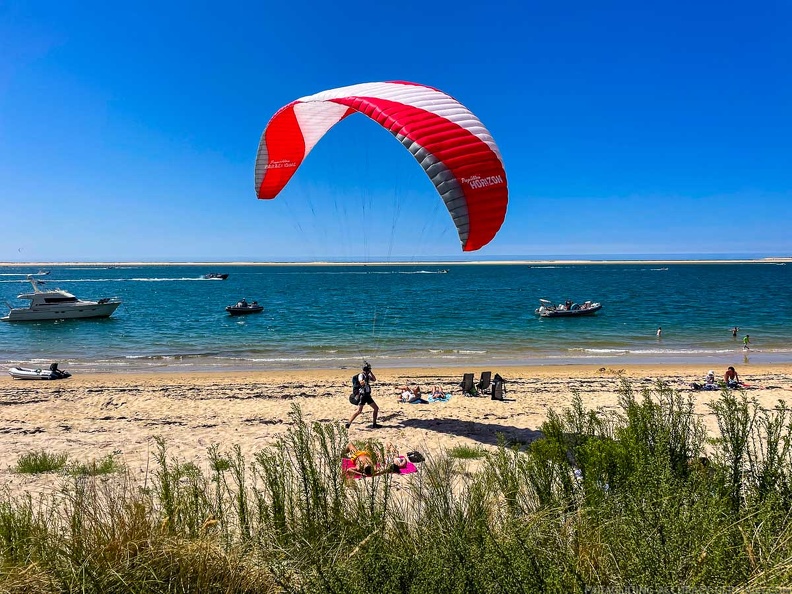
(38, 374)
(243, 307)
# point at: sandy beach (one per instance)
(91, 416)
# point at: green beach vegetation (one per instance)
(40, 462)
(466, 452)
(638, 496)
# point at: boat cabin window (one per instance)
(60, 299)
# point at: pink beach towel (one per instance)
(347, 465)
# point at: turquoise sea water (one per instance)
(333, 316)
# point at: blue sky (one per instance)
(128, 131)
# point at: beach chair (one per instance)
(498, 390)
(467, 385)
(484, 382)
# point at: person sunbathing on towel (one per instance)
(438, 392)
(409, 393)
(362, 460)
(364, 464)
(395, 461)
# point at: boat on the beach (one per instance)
(566, 310)
(242, 307)
(27, 373)
(57, 304)
(215, 276)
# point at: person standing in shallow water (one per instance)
(734, 332)
(659, 332)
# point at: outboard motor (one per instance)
(58, 373)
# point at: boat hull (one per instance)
(568, 313)
(59, 312)
(241, 311)
(25, 373)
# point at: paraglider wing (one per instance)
(454, 148)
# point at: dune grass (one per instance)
(41, 461)
(639, 498)
(466, 452)
(107, 465)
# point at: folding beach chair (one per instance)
(497, 390)
(467, 385)
(483, 384)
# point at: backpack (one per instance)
(354, 397)
(356, 384)
(415, 456)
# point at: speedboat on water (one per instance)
(215, 276)
(566, 310)
(57, 304)
(242, 307)
(39, 374)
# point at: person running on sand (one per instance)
(746, 342)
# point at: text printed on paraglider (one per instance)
(282, 164)
(475, 182)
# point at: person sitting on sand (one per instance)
(438, 392)
(709, 383)
(731, 378)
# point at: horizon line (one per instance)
(767, 260)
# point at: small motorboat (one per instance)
(566, 310)
(242, 307)
(27, 373)
(215, 276)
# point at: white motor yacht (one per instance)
(57, 304)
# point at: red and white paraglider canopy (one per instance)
(454, 148)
